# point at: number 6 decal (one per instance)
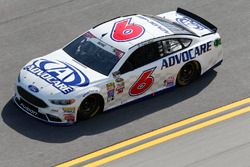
(125, 31)
(143, 83)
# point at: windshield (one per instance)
(175, 28)
(94, 53)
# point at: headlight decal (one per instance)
(62, 102)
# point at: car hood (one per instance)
(57, 74)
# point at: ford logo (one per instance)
(33, 88)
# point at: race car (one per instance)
(117, 62)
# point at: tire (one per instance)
(188, 73)
(89, 107)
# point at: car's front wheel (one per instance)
(89, 107)
(188, 73)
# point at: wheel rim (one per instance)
(187, 73)
(88, 105)
(88, 108)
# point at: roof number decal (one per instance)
(124, 31)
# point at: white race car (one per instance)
(116, 62)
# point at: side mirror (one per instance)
(116, 74)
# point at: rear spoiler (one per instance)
(197, 18)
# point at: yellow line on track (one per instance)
(168, 137)
(152, 133)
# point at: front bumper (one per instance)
(55, 116)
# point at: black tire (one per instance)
(188, 73)
(89, 107)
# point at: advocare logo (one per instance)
(190, 23)
(59, 74)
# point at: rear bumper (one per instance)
(217, 64)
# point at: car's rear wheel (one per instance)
(188, 73)
(89, 107)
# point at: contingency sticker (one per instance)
(69, 117)
(69, 109)
(119, 53)
(120, 85)
(169, 82)
(110, 91)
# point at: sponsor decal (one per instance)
(60, 75)
(69, 117)
(124, 31)
(186, 21)
(111, 94)
(110, 86)
(88, 35)
(28, 109)
(119, 53)
(69, 109)
(33, 88)
(110, 91)
(101, 44)
(157, 25)
(169, 82)
(186, 55)
(217, 42)
(54, 110)
(120, 85)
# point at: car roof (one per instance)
(152, 29)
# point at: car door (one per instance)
(138, 74)
(143, 73)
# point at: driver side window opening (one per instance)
(152, 52)
(140, 57)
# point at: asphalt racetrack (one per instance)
(32, 28)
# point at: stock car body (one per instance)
(116, 62)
